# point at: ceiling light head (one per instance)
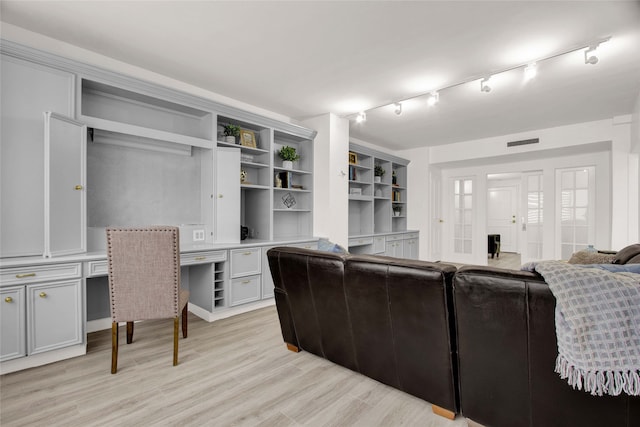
(485, 85)
(398, 108)
(433, 99)
(590, 56)
(362, 117)
(530, 71)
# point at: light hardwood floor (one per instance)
(233, 372)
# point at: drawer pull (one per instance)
(247, 253)
(43, 294)
(246, 282)
(22, 276)
(78, 187)
(200, 258)
(8, 299)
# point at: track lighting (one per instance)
(433, 99)
(590, 56)
(485, 85)
(530, 71)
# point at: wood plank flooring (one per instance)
(233, 372)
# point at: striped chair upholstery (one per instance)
(144, 281)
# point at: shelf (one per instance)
(253, 187)
(296, 190)
(359, 182)
(242, 148)
(292, 210)
(254, 165)
(296, 171)
(360, 198)
(147, 133)
(360, 167)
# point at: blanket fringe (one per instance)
(599, 383)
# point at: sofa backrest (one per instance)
(507, 350)
(387, 318)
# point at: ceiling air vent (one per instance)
(523, 142)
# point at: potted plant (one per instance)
(378, 172)
(231, 132)
(288, 156)
(394, 178)
(397, 209)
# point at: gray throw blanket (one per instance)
(597, 327)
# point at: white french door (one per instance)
(459, 221)
(575, 201)
(502, 210)
(533, 219)
(437, 220)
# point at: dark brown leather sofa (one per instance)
(506, 355)
(386, 318)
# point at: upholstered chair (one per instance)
(144, 281)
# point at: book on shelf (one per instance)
(396, 196)
(285, 178)
(352, 174)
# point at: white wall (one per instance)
(331, 180)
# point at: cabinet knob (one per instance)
(8, 299)
(22, 276)
(78, 187)
(220, 196)
(43, 294)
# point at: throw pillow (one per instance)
(586, 257)
(625, 254)
(328, 246)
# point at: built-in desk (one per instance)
(49, 304)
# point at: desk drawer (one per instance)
(192, 258)
(40, 273)
(411, 236)
(394, 237)
(361, 241)
(97, 268)
(244, 290)
(245, 262)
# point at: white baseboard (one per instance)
(42, 358)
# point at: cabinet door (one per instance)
(27, 90)
(227, 218)
(267, 279)
(12, 325)
(54, 315)
(65, 157)
(410, 249)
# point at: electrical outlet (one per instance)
(198, 235)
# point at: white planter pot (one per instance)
(377, 179)
(396, 214)
(287, 164)
(230, 139)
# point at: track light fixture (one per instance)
(530, 71)
(433, 98)
(485, 85)
(590, 56)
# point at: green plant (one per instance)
(232, 130)
(379, 170)
(288, 153)
(397, 208)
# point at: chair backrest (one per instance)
(144, 272)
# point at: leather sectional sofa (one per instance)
(478, 341)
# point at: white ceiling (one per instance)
(307, 58)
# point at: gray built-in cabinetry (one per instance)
(378, 206)
(82, 149)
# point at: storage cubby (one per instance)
(214, 296)
(255, 212)
(113, 108)
(372, 200)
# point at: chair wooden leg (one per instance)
(185, 315)
(129, 332)
(114, 347)
(176, 322)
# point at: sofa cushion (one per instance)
(634, 260)
(625, 254)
